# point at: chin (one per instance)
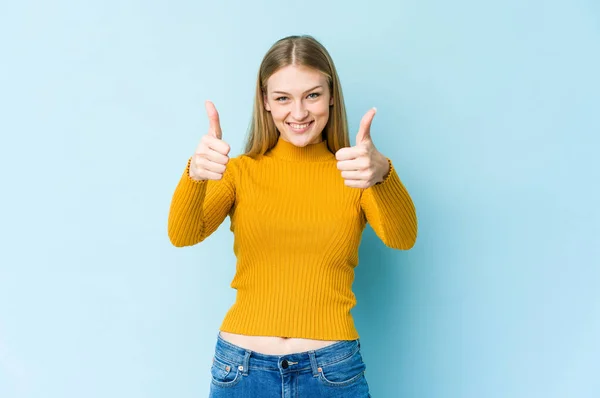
(302, 141)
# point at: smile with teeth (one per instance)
(296, 126)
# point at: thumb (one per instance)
(213, 118)
(364, 131)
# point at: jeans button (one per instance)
(284, 364)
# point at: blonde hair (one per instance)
(300, 51)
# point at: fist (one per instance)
(210, 158)
(362, 165)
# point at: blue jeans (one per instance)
(336, 371)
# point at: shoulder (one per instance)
(240, 165)
(244, 161)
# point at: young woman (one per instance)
(298, 200)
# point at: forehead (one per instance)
(293, 78)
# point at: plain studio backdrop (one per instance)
(489, 111)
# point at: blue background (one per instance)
(489, 111)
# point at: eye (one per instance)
(280, 99)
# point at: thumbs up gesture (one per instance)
(362, 165)
(210, 159)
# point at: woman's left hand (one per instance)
(362, 165)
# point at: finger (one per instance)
(213, 119)
(215, 156)
(216, 144)
(353, 164)
(210, 175)
(355, 175)
(210, 166)
(355, 183)
(364, 131)
(350, 153)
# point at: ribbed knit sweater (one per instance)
(297, 228)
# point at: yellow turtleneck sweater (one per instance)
(297, 228)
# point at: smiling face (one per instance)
(298, 98)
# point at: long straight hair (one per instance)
(306, 51)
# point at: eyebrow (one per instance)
(283, 92)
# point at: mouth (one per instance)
(300, 128)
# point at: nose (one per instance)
(299, 112)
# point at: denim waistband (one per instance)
(312, 359)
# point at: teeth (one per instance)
(299, 126)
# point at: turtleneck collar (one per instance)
(310, 153)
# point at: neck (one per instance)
(310, 153)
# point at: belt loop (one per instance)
(313, 363)
(246, 362)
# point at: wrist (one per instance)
(385, 169)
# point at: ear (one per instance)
(331, 101)
(266, 103)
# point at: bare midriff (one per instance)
(272, 345)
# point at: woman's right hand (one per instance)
(210, 159)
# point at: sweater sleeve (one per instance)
(390, 211)
(199, 207)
